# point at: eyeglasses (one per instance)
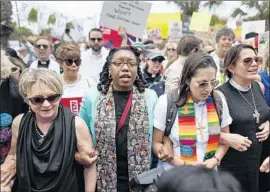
(121, 64)
(44, 46)
(204, 85)
(171, 49)
(70, 62)
(249, 60)
(40, 100)
(96, 39)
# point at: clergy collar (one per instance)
(44, 62)
(239, 87)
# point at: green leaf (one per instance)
(69, 25)
(214, 20)
(24, 31)
(32, 17)
(52, 19)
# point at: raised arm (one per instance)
(86, 150)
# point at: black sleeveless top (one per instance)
(245, 165)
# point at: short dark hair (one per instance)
(232, 56)
(192, 64)
(95, 29)
(105, 82)
(187, 44)
(224, 32)
(200, 179)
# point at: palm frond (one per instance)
(238, 12)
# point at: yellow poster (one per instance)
(161, 21)
(200, 21)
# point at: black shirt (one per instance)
(120, 99)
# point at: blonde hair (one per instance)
(6, 65)
(68, 50)
(264, 53)
(170, 44)
(48, 77)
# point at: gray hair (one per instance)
(224, 32)
(6, 65)
(29, 77)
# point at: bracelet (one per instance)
(216, 158)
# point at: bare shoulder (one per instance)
(16, 123)
(79, 122)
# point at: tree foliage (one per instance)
(32, 17)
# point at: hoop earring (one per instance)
(110, 76)
(187, 88)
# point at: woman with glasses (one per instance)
(69, 57)
(170, 54)
(250, 114)
(202, 115)
(119, 114)
(45, 139)
(152, 73)
(43, 48)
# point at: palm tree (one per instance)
(6, 26)
(261, 11)
(188, 7)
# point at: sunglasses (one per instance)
(249, 60)
(70, 62)
(44, 46)
(204, 85)
(96, 39)
(40, 100)
(171, 49)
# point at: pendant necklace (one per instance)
(40, 135)
(256, 114)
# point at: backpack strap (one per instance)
(219, 104)
(171, 112)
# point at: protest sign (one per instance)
(154, 33)
(200, 21)
(185, 25)
(130, 14)
(263, 39)
(24, 10)
(112, 39)
(253, 26)
(60, 25)
(161, 21)
(175, 30)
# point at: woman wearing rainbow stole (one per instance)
(196, 131)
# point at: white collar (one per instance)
(239, 87)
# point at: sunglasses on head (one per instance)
(70, 62)
(204, 85)
(40, 100)
(249, 60)
(44, 46)
(96, 39)
(171, 49)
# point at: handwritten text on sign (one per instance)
(175, 30)
(130, 14)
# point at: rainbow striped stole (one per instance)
(187, 130)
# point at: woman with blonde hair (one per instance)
(69, 57)
(46, 138)
(170, 53)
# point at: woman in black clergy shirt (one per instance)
(250, 114)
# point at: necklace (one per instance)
(201, 127)
(40, 135)
(256, 114)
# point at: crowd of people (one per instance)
(79, 117)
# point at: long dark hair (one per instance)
(193, 63)
(105, 82)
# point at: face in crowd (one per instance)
(96, 40)
(155, 64)
(43, 49)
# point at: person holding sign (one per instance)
(202, 115)
(250, 114)
(119, 114)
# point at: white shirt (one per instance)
(73, 93)
(53, 65)
(92, 64)
(200, 108)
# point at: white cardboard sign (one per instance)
(175, 30)
(130, 14)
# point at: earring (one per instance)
(187, 88)
(110, 77)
